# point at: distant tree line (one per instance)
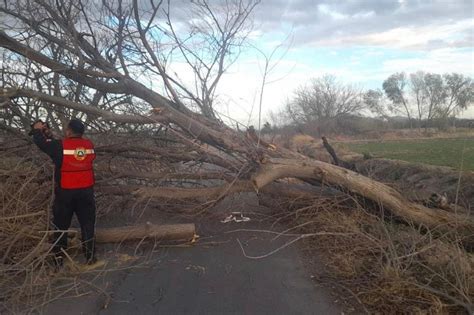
(421, 99)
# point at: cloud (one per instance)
(444, 60)
(418, 38)
(380, 22)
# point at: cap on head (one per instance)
(76, 126)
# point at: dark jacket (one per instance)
(53, 148)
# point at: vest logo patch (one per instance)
(80, 154)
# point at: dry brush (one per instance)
(162, 151)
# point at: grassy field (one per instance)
(444, 152)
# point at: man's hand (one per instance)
(39, 125)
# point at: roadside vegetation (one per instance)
(163, 146)
(381, 266)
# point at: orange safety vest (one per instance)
(76, 169)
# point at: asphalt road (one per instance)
(220, 280)
(212, 277)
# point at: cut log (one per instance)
(168, 232)
(385, 196)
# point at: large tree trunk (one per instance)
(385, 196)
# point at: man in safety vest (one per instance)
(73, 158)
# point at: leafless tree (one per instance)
(324, 99)
(137, 40)
(114, 62)
(108, 50)
(212, 43)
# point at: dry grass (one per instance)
(309, 146)
(386, 266)
(28, 280)
(25, 196)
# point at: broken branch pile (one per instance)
(160, 144)
(376, 264)
(26, 191)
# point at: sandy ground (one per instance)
(211, 277)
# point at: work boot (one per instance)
(91, 261)
(57, 263)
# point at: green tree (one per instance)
(395, 90)
(459, 91)
(429, 95)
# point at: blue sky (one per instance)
(361, 42)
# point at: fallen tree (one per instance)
(241, 154)
(386, 197)
(349, 181)
(176, 149)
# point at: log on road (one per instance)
(168, 232)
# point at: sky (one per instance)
(361, 42)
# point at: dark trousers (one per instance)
(82, 203)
